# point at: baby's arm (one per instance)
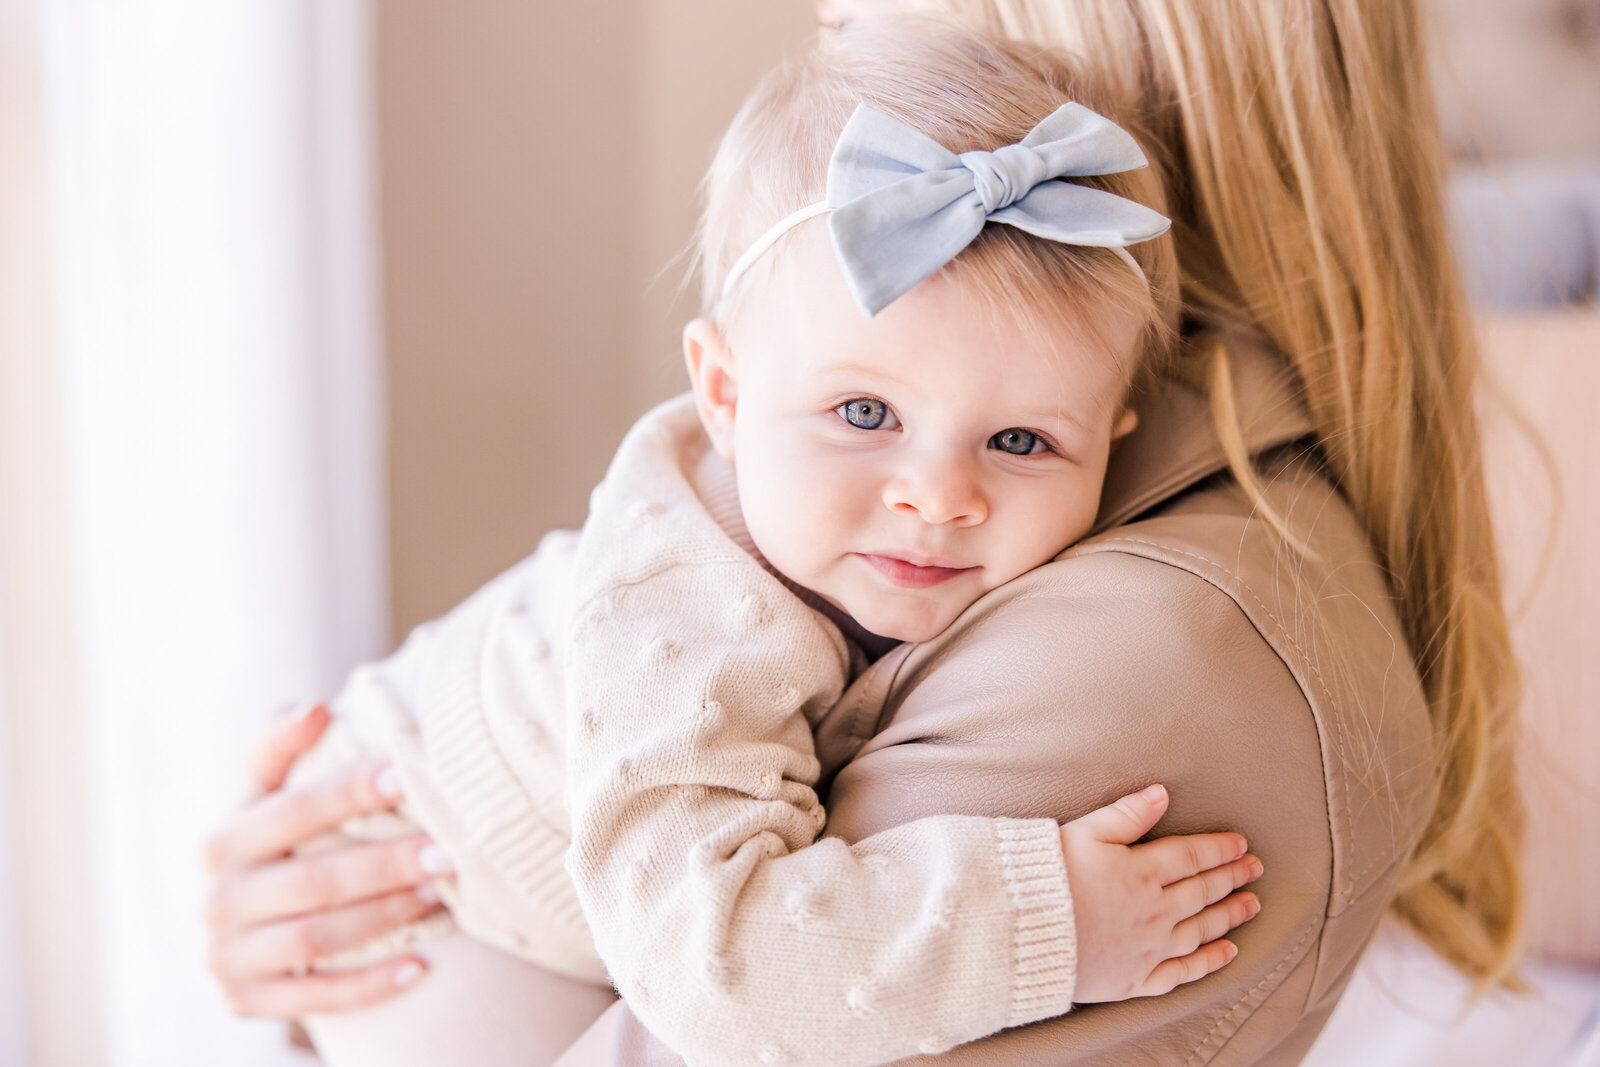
(739, 940)
(486, 786)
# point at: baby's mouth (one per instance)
(915, 572)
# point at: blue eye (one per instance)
(1018, 442)
(865, 413)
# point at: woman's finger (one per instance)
(1190, 895)
(273, 949)
(289, 736)
(1177, 858)
(279, 822)
(324, 880)
(292, 997)
(1212, 923)
(1212, 956)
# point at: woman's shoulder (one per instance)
(1270, 690)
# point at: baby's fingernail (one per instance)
(387, 783)
(433, 860)
(1154, 793)
(1256, 868)
(428, 893)
(1255, 907)
(1233, 950)
(407, 973)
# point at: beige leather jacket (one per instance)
(1181, 643)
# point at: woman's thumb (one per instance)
(1124, 821)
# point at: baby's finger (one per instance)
(279, 822)
(1212, 956)
(1190, 895)
(1177, 858)
(289, 736)
(293, 997)
(1212, 923)
(265, 952)
(331, 879)
(1124, 821)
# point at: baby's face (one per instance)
(904, 465)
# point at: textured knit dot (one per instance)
(770, 1054)
(661, 651)
(768, 786)
(624, 769)
(934, 1044)
(533, 735)
(754, 611)
(861, 1000)
(801, 906)
(788, 698)
(591, 722)
(936, 912)
(643, 511)
(716, 972)
(875, 864)
(710, 714)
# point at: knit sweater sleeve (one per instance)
(737, 936)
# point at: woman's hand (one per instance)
(271, 914)
(1151, 916)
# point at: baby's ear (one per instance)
(1126, 423)
(716, 389)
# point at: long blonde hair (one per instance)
(1306, 167)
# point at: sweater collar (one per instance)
(1175, 444)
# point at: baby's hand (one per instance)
(1150, 916)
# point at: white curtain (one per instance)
(214, 314)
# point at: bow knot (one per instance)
(1004, 176)
(900, 205)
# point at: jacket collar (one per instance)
(1175, 445)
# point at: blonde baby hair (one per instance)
(967, 91)
(1306, 164)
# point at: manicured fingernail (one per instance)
(407, 973)
(1154, 793)
(387, 783)
(433, 860)
(1256, 868)
(428, 893)
(1233, 950)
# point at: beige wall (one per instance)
(538, 169)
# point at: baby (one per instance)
(919, 348)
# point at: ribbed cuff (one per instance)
(1045, 945)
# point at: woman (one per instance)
(1201, 637)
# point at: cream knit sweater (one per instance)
(637, 700)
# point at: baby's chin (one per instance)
(903, 625)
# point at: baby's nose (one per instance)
(939, 492)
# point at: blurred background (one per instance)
(315, 314)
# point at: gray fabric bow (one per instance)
(901, 205)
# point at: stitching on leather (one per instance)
(1343, 817)
(1290, 960)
